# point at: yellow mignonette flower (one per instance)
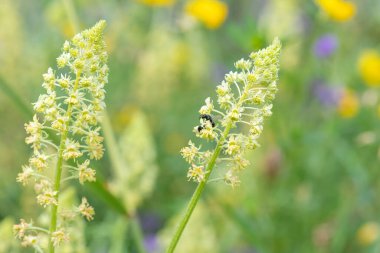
(158, 2)
(348, 105)
(369, 67)
(212, 13)
(368, 233)
(338, 10)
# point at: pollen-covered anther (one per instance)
(78, 65)
(74, 98)
(233, 146)
(223, 89)
(85, 173)
(29, 240)
(93, 137)
(42, 185)
(66, 46)
(49, 77)
(196, 173)
(63, 60)
(243, 64)
(258, 98)
(208, 107)
(64, 81)
(51, 113)
(267, 110)
(233, 77)
(71, 150)
(60, 123)
(59, 236)
(20, 229)
(24, 176)
(206, 131)
(256, 130)
(39, 161)
(95, 151)
(225, 101)
(86, 210)
(47, 198)
(231, 179)
(33, 127)
(252, 142)
(34, 140)
(235, 114)
(190, 152)
(240, 162)
(86, 81)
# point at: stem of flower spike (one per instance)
(198, 191)
(58, 171)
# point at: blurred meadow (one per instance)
(313, 186)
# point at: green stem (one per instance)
(137, 235)
(58, 169)
(110, 141)
(198, 191)
(98, 186)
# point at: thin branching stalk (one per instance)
(110, 142)
(254, 86)
(58, 169)
(197, 193)
(70, 109)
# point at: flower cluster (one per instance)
(157, 2)
(369, 66)
(338, 10)
(325, 45)
(212, 13)
(69, 109)
(348, 105)
(245, 99)
(368, 233)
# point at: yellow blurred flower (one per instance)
(369, 67)
(338, 10)
(212, 13)
(157, 2)
(348, 105)
(368, 233)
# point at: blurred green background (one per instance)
(314, 184)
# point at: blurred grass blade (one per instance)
(118, 238)
(103, 193)
(15, 98)
(241, 220)
(200, 235)
(137, 234)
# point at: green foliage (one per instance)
(313, 186)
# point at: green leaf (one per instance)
(104, 194)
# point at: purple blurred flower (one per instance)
(325, 45)
(150, 222)
(150, 243)
(325, 94)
